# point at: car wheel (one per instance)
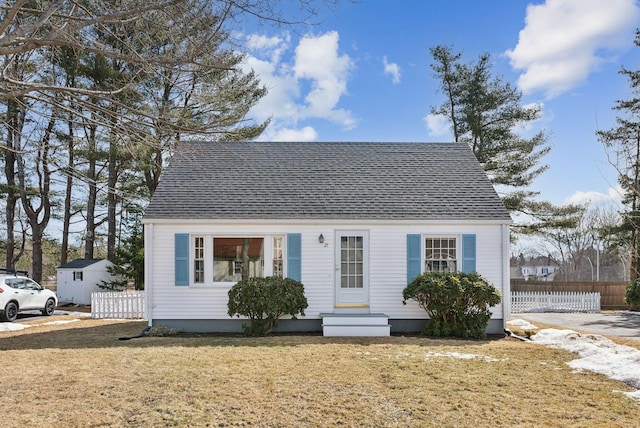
(10, 312)
(49, 307)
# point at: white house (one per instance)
(540, 268)
(354, 222)
(79, 278)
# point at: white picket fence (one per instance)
(118, 304)
(554, 301)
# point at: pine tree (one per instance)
(485, 112)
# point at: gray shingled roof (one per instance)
(79, 263)
(311, 180)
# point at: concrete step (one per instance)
(355, 325)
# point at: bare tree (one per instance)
(168, 70)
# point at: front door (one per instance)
(352, 269)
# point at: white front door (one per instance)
(352, 269)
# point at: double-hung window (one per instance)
(441, 254)
(198, 260)
(278, 257)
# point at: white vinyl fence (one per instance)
(554, 301)
(118, 304)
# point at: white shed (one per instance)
(79, 278)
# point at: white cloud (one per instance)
(317, 60)
(392, 69)
(565, 40)
(288, 134)
(438, 126)
(305, 84)
(275, 45)
(613, 195)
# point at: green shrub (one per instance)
(264, 301)
(632, 296)
(457, 303)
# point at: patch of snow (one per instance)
(60, 322)
(523, 324)
(460, 356)
(597, 354)
(13, 326)
(16, 326)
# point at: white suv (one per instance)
(18, 293)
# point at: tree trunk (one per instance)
(90, 231)
(112, 182)
(14, 120)
(66, 219)
(38, 217)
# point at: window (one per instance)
(198, 260)
(207, 259)
(77, 275)
(440, 254)
(237, 258)
(278, 261)
(351, 260)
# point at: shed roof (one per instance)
(79, 263)
(334, 180)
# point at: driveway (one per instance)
(615, 323)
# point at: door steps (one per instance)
(354, 324)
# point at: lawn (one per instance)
(80, 374)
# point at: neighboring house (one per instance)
(540, 268)
(79, 278)
(354, 222)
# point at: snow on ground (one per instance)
(60, 322)
(15, 326)
(523, 324)
(597, 353)
(461, 356)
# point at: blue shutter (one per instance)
(294, 256)
(182, 258)
(414, 246)
(468, 253)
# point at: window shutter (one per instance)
(413, 256)
(294, 256)
(182, 258)
(468, 253)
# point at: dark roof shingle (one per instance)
(311, 180)
(79, 263)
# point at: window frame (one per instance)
(197, 254)
(267, 257)
(448, 236)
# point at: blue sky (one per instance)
(363, 74)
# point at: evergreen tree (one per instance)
(485, 113)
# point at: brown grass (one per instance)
(80, 374)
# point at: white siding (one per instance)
(387, 258)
